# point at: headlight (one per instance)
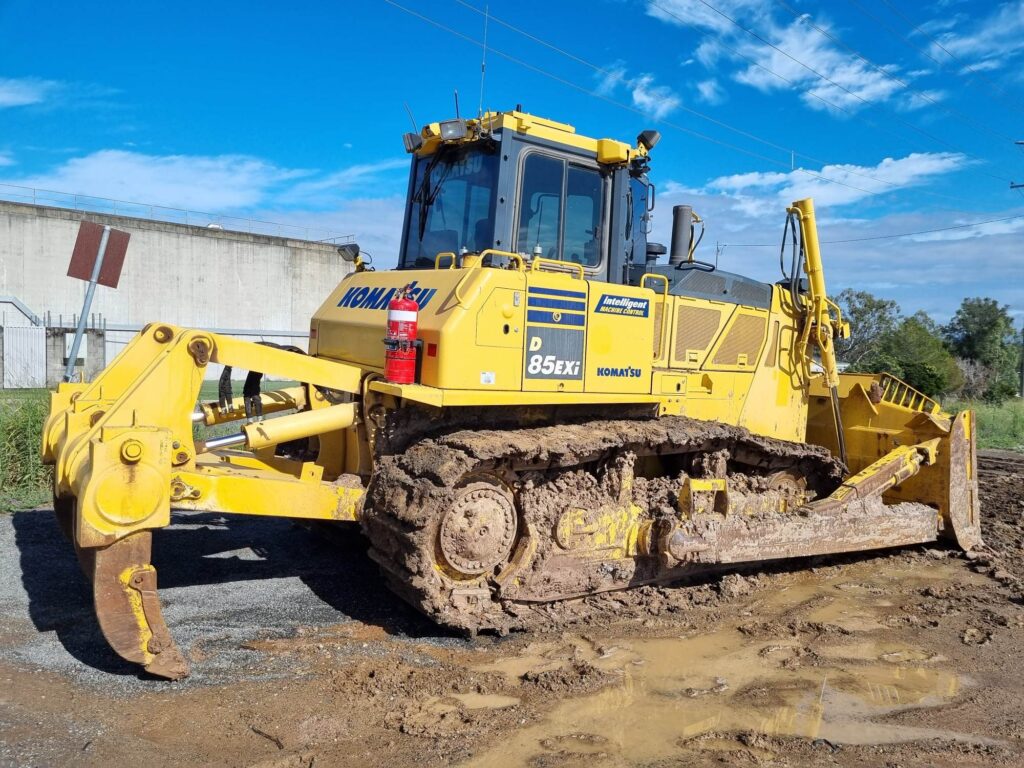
(452, 130)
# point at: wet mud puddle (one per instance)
(810, 661)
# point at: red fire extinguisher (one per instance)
(400, 344)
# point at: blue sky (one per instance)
(896, 116)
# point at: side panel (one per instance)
(736, 364)
(777, 402)
(460, 310)
(556, 332)
(500, 331)
(620, 339)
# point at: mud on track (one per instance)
(301, 658)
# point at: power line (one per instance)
(826, 79)
(609, 100)
(886, 237)
(885, 73)
(1018, 187)
(894, 33)
(753, 62)
(610, 73)
(789, 150)
(948, 52)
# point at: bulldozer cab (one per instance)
(515, 182)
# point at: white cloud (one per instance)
(216, 183)
(343, 181)
(844, 79)
(656, 100)
(702, 15)
(970, 232)
(710, 91)
(612, 77)
(709, 52)
(794, 55)
(222, 182)
(6, 158)
(887, 176)
(931, 272)
(25, 91)
(990, 44)
(922, 99)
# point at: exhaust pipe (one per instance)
(682, 234)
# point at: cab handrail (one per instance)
(664, 311)
(539, 262)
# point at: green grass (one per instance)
(24, 481)
(999, 426)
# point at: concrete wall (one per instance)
(184, 275)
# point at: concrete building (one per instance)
(255, 286)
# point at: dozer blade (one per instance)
(853, 518)
(962, 507)
(128, 607)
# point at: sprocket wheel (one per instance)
(478, 531)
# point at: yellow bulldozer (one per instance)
(571, 409)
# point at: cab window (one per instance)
(560, 211)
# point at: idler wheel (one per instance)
(478, 531)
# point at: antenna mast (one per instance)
(483, 62)
(415, 127)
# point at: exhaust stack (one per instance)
(682, 234)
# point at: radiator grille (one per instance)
(772, 358)
(695, 329)
(744, 338)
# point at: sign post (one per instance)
(100, 265)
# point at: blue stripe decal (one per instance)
(536, 316)
(577, 306)
(557, 292)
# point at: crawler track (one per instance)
(434, 500)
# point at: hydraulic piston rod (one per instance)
(271, 432)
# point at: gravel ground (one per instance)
(222, 587)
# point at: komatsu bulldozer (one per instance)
(586, 410)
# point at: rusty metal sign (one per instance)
(87, 245)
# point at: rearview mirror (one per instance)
(349, 251)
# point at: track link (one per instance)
(613, 464)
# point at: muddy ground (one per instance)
(301, 658)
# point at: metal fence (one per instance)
(24, 357)
(107, 205)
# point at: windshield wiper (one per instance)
(426, 194)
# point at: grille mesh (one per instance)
(772, 358)
(695, 329)
(743, 338)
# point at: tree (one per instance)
(982, 332)
(871, 319)
(914, 351)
